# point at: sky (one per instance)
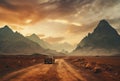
(58, 21)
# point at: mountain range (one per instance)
(103, 38)
(14, 42)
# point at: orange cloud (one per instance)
(26, 12)
(13, 12)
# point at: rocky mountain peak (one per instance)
(103, 36)
(104, 28)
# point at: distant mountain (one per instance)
(104, 37)
(48, 47)
(41, 42)
(60, 47)
(14, 42)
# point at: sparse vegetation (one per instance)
(105, 67)
(9, 63)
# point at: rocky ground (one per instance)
(105, 68)
(73, 68)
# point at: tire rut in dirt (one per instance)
(51, 75)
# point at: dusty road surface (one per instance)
(60, 71)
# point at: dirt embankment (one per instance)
(103, 68)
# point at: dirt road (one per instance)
(60, 71)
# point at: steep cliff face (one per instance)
(14, 42)
(103, 36)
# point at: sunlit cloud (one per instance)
(64, 22)
(54, 18)
(77, 24)
(28, 21)
(58, 21)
